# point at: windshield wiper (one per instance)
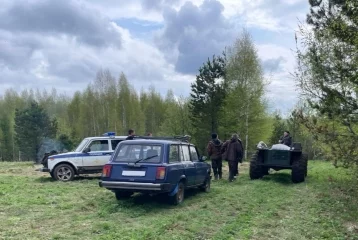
(143, 159)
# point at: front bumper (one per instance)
(135, 186)
(43, 170)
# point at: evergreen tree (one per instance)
(207, 97)
(32, 126)
(327, 74)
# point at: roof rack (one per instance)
(185, 138)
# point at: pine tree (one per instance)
(327, 74)
(32, 126)
(207, 97)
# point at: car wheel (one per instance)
(207, 184)
(122, 195)
(178, 198)
(64, 173)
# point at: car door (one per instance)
(175, 166)
(189, 166)
(200, 167)
(98, 156)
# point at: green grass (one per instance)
(32, 206)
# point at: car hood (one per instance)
(66, 155)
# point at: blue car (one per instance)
(153, 165)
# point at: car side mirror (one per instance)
(202, 159)
(86, 150)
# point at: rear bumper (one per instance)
(136, 186)
(43, 170)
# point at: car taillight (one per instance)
(106, 172)
(160, 173)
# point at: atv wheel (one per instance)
(256, 171)
(122, 195)
(298, 170)
(305, 160)
(64, 173)
(265, 171)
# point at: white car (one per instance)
(89, 157)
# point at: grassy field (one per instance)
(32, 206)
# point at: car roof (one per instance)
(107, 137)
(156, 141)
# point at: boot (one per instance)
(220, 175)
(216, 176)
(231, 176)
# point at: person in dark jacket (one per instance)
(240, 160)
(286, 139)
(214, 152)
(131, 134)
(233, 153)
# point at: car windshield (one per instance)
(81, 145)
(145, 153)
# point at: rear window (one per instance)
(131, 153)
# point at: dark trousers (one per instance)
(217, 165)
(233, 169)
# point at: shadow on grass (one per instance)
(142, 204)
(76, 179)
(283, 178)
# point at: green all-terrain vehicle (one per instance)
(279, 159)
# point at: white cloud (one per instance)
(68, 60)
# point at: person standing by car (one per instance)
(233, 153)
(131, 134)
(214, 152)
(240, 160)
(286, 139)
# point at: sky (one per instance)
(62, 44)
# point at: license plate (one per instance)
(133, 173)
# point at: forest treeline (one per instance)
(228, 96)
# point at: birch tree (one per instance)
(245, 104)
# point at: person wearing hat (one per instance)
(214, 152)
(233, 153)
(286, 139)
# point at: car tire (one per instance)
(64, 173)
(178, 197)
(207, 184)
(123, 195)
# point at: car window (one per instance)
(81, 145)
(185, 156)
(115, 143)
(99, 145)
(194, 154)
(148, 150)
(174, 154)
(133, 152)
(123, 151)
